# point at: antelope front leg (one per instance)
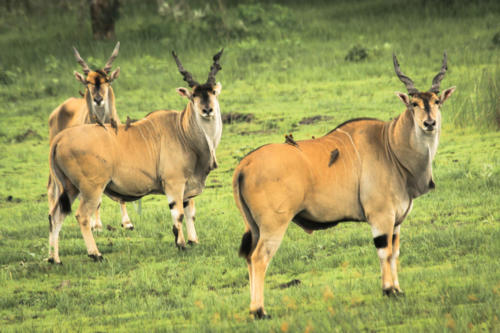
(382, 238)
(175, 204)
(394, 259)
(190, 218)
(125, 219)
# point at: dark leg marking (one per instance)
(394, 238)
(181, 217)
(50, 223)
(333, 157)
(432, 185)
(380, 241)
(171, 205)
(185, 204)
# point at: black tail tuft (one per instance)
(65, 203)
(246, 244)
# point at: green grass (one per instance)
(287, 63)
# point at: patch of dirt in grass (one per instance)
(27, 135)
(313, 119)
(235, 117)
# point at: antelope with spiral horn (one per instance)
(363, 170)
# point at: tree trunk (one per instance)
(103, 14)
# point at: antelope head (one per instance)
(98, 84)
(202, 97)
(425, 106)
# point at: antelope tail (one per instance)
(251, 235)
(56, 175)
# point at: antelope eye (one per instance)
(414, 104)
(437, 102)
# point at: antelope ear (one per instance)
(114, 75)
(217, 88)
(183, 92)
(80, 77)
(446, 94)
(404, 97)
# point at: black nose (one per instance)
(429, 123)
(98, 99)
(207, 111)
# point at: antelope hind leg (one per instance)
(56, 218)
(271, 235)
(88, 205)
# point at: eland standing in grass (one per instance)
(364, 170)
(96, 106)
(167, 152)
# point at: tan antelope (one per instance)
(363, 170)
(167, 152)
(96, 106)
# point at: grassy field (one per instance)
(282, 64)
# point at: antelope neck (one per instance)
(411, 151)
(201, 134)
(105, 112)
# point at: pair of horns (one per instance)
(107, 67)
(409, 83)
(211, 75)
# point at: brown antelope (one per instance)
(363, 170)
(96, 106)
(167, 152)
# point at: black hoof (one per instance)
(96, 257)
(180, 247)
(399, 293)
(191, 243)
(52, 261)
(131, 228)
(389, 292)
(260, 314)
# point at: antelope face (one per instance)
(203, 99)
(425, 108)
(97, 84)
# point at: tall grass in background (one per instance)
(479, 105)
(282, 42)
